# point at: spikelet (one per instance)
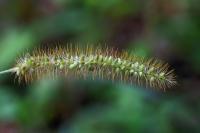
(103, 63)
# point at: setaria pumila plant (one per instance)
(103, 63)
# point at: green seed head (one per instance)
(97, 62)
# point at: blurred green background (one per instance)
(165, 29)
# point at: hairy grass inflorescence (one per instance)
(96, 63)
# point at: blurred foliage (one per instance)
(164, 29)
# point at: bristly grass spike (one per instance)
(105, 63)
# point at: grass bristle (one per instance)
(103, 63)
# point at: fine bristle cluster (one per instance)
(103, 63)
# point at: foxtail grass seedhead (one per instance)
(103, 63)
